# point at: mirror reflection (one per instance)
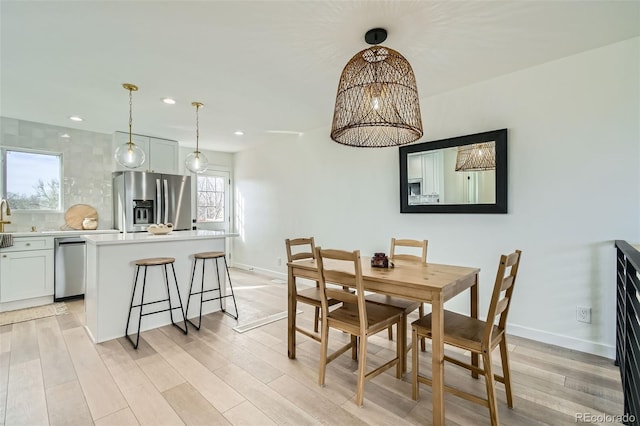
(456, 175)
(464, 174)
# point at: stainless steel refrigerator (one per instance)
(141, 199)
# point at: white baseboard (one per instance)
(568, 342)
(267, 272)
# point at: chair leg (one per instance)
(362, 363)
(354, 347)
(504, 356)
(402, 340)
(316, 319)
(423, 344)
(324, 344)
(390, 332)
(401, 353)
(491, 388)
(414, 365)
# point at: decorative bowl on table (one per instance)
(160, 229)
(379, 260)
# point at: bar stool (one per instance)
(155, 261)
(214, 255)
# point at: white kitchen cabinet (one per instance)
(26, 269)
(161, 155)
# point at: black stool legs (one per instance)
(142, 303)
(219, 296)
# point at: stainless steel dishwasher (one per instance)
(70, 268)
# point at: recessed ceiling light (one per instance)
(75, 118)
(286, 132)
(238, 133)
(169, 101)
(65, 135)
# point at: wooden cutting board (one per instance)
(76, 214)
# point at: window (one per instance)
(210, 202)
(32, 180)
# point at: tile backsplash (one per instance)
(86, 170)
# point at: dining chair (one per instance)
(356, 316)
(478, 337)
(300, 249)
(406, 306)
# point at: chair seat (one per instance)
(406, 305)
(313, 296)
(378, 317)
(459, 330)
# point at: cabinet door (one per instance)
(26, 274)
(120, 138)
(163, 156)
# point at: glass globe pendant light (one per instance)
(197, 162)
(130, 155)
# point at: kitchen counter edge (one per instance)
(145, 237)
(59, 234)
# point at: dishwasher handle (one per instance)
(70, 242)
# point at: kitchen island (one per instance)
(111, 270)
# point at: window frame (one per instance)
(4, 180)
(220, 174)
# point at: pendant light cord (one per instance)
(197, 129)
(130, 115)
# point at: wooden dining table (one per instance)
(431, 283)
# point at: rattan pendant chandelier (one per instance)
(476, 157)
(377, 99)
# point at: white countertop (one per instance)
(146, 237)
(59, 233)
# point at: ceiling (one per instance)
(268, 68)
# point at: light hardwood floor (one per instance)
(51, 373)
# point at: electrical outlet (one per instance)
(583, 314)
(279, 261)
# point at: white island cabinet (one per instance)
(111, 269)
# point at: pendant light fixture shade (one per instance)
(377, 98)
(130, 155)
(197, 162)
(476, 157)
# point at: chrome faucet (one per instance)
(3, 222)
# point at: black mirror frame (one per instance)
(500, 206)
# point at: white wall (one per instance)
(87, 163)
(574, 157)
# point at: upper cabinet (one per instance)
(161, 155)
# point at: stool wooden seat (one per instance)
(145, 263)
(203, 256)
(154, 261)
(209, 255)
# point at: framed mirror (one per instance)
(464, 174)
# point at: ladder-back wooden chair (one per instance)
(300, 249)
(476, 336)
(406, 306)
(356, 316)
